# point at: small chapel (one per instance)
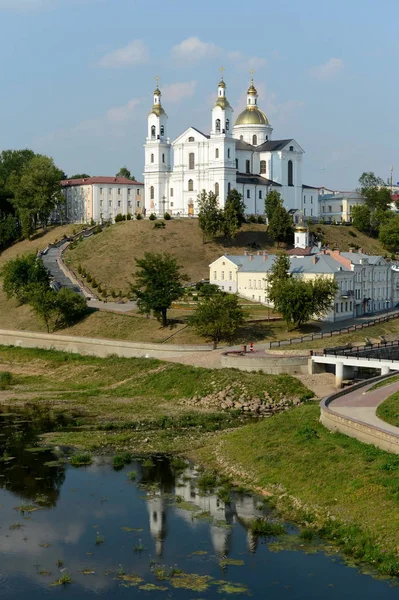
(236, 154)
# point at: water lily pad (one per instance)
(233, 588)
(191, 581)
(238, 562)
(199, 553)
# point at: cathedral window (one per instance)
(248, 193)
(101, 190)
(171, 192)
(190, 185)
(191, 160)
(241, 137)
(291, 148)
(217, 153)
(263, 167)
(237, 164)
(119, 191)
(290, 173)
(227, 124)
(152, 158)
(217, 125)
(217, 189)
(254, 140)
(228, 152)
(229, 188)
(152, 192)
(162, 130)
(153, 131)
(267, 137)
(163, 158)
(190, 139)
(260, 194)
(247, 166)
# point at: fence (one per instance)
(329, 334)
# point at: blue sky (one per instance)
(77, 77)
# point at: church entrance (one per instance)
(191, 209)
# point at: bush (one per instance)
(261, 220)
(152, 217)
(79, 269)
(252, 219)
(94, 283)
(97, 229)
(159, 225)
(128, 217)
(120, 460)
(167, 217)
(6, 379)
(22, 272)
(266, 528)
(79, 460)
(89, 278)
(99, 289)
(119, 217)
(352, 233)
(113, 293)
(139, 216)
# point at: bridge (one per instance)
(383, 357)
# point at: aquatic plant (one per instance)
(65, 579)
(99, 539)
(306, 534)
(132, 475)
(139, 547)
(60, 563)
(148, 463)
(80, 460)
(120, 460)
(26, 508)
(266, 528)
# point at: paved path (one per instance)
(50, 262)
(362, 404)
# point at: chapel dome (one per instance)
(301, 227)
(252, 115)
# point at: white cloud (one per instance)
(122, 113)
(135, 53)
(193, 49)
(328, 70)
(174, 92)
(246, 62)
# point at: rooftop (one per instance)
(100, 180)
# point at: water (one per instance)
(97, 526)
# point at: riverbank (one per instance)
(333, 485)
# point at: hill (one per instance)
(110, 256)
(343, 236)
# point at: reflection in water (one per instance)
(163, 513)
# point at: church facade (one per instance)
(239, 155)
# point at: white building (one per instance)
(100, 199)
(337, 207)
(243, 156)
(366, 284)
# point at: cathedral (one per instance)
(240, 154)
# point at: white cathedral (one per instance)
(243, 156)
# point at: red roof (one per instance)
(103, 180)
(300, 251)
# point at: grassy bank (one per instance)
(389, 410)
(334, 485)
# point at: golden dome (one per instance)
(252, 90)
(222, 84)
(157, 92)
(157, 110)
(301, 227)
(222, 102)
(252, 115)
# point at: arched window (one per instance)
(290, 173)
(254, 140)
(217, 125)
(217, 153)
(191, 139)
(227, 124)
(241, 137)
(229, 188)
(152, 158)
(228, 152)
(237, 164)
(247, 166)
(153, 131)
(163, 158)
(152, 192)
(162, 130)
(190, 185)
(191, 160)
(217, 189)
(263, 167)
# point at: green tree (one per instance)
(361, 217)
(124, 172)
(280, 225)
(158, 283)
(389, 234)
(236, 205)
(71, 307)
(209, 215)
(37, 192)
(218, 317)
(12, 162)
(20, 273)
(9, 230)
(79, 176)
(56, 309)
(229, 222)
(273, 201)
(280, 271)
(378, 199)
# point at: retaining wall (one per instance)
(369, 434)
(94, 346)
(272, 364)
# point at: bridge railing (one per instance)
(361, 350)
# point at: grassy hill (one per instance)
(342, 237)
(109, 256)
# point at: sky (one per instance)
(77, 78)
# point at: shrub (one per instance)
(128, 217)
(113, 293)
(261, 220)
(306, 534)
(252, 219)
(167, 217)
(120, 460)
(152, 217)
(132, 475)
(352, 233)
(97, 229)
(89, 278)
(266, 528)
(119, 217)
(139, 216)
(79, 269)
(159, 225)
(99, 289)
(104, 293)
(79, 460)
(94, 283)
(121, 294)
(6, 379)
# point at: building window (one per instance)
(304, 212)
(329, 208)
(263, 167)
(340, 208)
(153, 131)
(217, 189)
(229, 188)
(119, 203)
(217, 125)
(101, 190)
(304, 199)
(237, 164)
(217, 153)
(250, 284)
(311, 199)
(138, 192)
(254, 140)
(128, 191)
(171, 192)
(138, 203)
(227, 124)
(191, 139)
(260, 194)
(191, 160)
(222, 275)
(152, 158)
(337, 307)
(163, 158)
(247, 166)
(230, 275)
(290, 173)
(190, 185)
(162, 130)
(215, 275)
(324, 209)
(119, 191)
(248, 193)
(152, 192)
(291, 148)
(228, 152)
(129, 203)
(110, 190)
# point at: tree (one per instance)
(12, 162)
(361, 217)
(209, 215)
(378, 199)
(280, 271)
(56, 309)
(43, 301)
(71, 307)
(9, 230)
(20, 273)
(389, 234)
(236, 205)
(37, 192)
(79, 176)
(272, 201)
(124, 172)
(229, 222)
(218, 317)
(280, 224)
(158, 283)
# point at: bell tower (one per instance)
(222, 112)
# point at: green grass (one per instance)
(80, 460)
(383, 383)
(344, 490)
(389, 410)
